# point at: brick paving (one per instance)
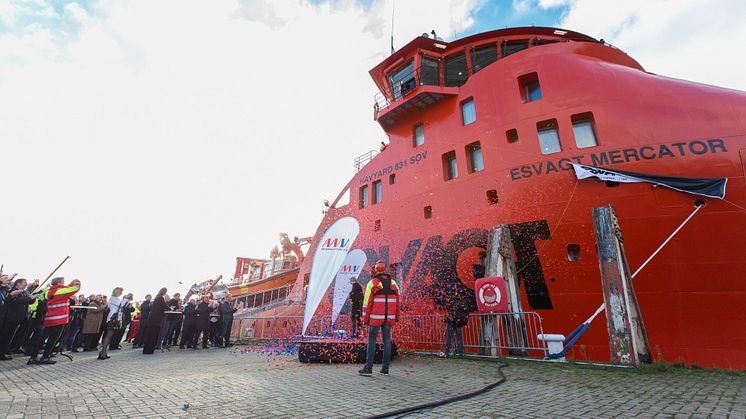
(228, 383)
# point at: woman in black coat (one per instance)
(155, 322)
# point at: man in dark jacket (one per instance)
(24, 329)
(144, 314)
(356, 297)
(226, 312)
(174, 304)
(189, 324)
(17, 302)
(457, 316)
(203, 323)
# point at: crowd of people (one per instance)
(51, 319)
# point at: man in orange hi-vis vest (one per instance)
(380, 311)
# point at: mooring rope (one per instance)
(577, 333)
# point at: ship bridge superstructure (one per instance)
(427, 70)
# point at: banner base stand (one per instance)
(339, 351)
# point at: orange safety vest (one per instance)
(381, 306)
(58, 306)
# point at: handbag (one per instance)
(117, 320)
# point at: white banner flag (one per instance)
(352, 267)
(328, 258)
(585, 172)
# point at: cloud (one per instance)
(697, 40)
(156, 142)
(522, 6)
(260, 11)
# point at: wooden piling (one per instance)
(500, 262)
(628, 340)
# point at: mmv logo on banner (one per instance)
(335, 244)
(327, 261)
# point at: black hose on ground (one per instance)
(408, 410)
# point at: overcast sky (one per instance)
(154, 141)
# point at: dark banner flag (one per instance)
(709, 187)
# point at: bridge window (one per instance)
(483, 56)
(549, 137)
(512, 135)
(474, 151)
(419, 135)
(511, 47)
(364, 197)
(377, 190)
(392, 178)
(450, 167)
(468, 111)
(530, 87)
(456, 72)
(402, 79)
(429, 72)
(584, 130)
(492, 197)
(428, 211)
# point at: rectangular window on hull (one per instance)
(476, 162)
(483, 56)
(530, 87)
(584, 130)
(549, 139)
(364, 197)
(402, 79)
(512, 135)
(450, 167)
(468, 111)
(456, 72)
(429, 72)
(377, 191)
(419, 135)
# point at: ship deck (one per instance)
(240, 383)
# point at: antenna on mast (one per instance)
(393, 8)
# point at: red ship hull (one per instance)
(690, 295)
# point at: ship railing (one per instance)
(490, 335)
(363, 159)
(261, 299)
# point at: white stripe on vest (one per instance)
(63, 316)
(382, 316)
(384, 300)
(58, 305)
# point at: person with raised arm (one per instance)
(57, 316)
(17, 303)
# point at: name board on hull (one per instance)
(412, 160)
(626, 155)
